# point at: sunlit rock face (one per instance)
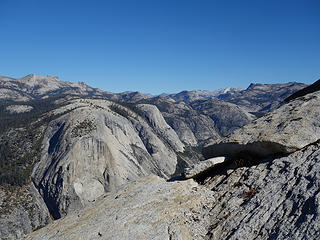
(150, 208)
(92, 149)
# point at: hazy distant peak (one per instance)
(202, 94)
(33, 79)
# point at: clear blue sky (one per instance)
(157, 46)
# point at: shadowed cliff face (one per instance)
(255, 150)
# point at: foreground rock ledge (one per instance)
(147, 209)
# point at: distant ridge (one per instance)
(310, 89)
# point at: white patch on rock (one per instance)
(19, 108)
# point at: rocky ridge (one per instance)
(293, 125)
(262, 98)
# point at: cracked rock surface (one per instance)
(273, 200)
(293, 125)
(150, 208)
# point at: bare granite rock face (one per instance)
(22, 210)
(293, 125)
(96, 147)
(273, 200)
(161, 127)
(199, 168)
(150, 208)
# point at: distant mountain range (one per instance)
(200, 94)
(64, 145)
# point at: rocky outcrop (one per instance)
(12, 95)
(150, 208)
(197, 169)
(22, 211)
(273, 200)
(98, 146)
(293, 125)
(309, 89)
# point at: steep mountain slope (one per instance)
(80, 145)
(82, 148)
(293, 125)
(192, 127)
(22, 209)
(310, 89)
(260, 195)
(273, 198)
(226, 116)
(98, 146)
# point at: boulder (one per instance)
(202, 166)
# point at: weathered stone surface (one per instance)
(202, 166)
(274, 200)
(147, 209)
(309, 89)
(92, 149)
(294, 125)
(22, 211)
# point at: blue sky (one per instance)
(156, 46)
